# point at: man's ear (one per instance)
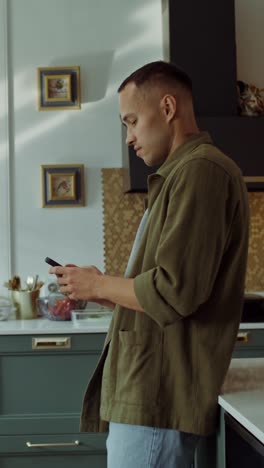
(169, 106)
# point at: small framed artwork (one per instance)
(62, 185)
(58, 88)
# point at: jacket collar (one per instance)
(157, 179)
(187, 147)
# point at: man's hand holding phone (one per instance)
(79, 282)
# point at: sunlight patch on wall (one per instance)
(145, 17)
(3, 92)
(150, 12)
(3, 151)
(25, 94)
(34, 132)
(146, 39)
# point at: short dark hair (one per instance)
(159, 72)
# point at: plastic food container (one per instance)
(91, 316)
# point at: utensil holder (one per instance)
(26, 302)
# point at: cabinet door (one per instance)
(54, 461)
(42, 389)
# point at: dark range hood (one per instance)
(200, 38)
(135, 172)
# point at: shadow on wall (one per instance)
(134, 39)
(95, 72)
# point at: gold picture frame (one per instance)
(62, 185)
(58, 88)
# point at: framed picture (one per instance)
(58, 88)
(62, 185)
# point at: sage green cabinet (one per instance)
(42, 380)
(250, 343)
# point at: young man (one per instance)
(178, 309)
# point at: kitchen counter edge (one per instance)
(46, 326)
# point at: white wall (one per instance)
(5, 259)
(108, 39)
(250, 39)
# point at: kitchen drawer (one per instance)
(92, 342)
(250, 343)
(90, 453)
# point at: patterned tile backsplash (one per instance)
(255, 270)
(122, 215)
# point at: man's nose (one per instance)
(130, 138)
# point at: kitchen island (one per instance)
(241, 437)
(247, 408)
(241, 406)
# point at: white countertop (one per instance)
(247, 407)
(251, 326)
(46, 326)
(242, 394)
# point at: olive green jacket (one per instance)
(164, 367)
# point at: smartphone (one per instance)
(52, 262)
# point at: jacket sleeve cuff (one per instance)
(152, 302)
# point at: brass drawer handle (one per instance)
(56, 342)
(64, 444)
(243, 337)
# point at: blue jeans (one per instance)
(149, 447)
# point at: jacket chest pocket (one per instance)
(138, 368)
